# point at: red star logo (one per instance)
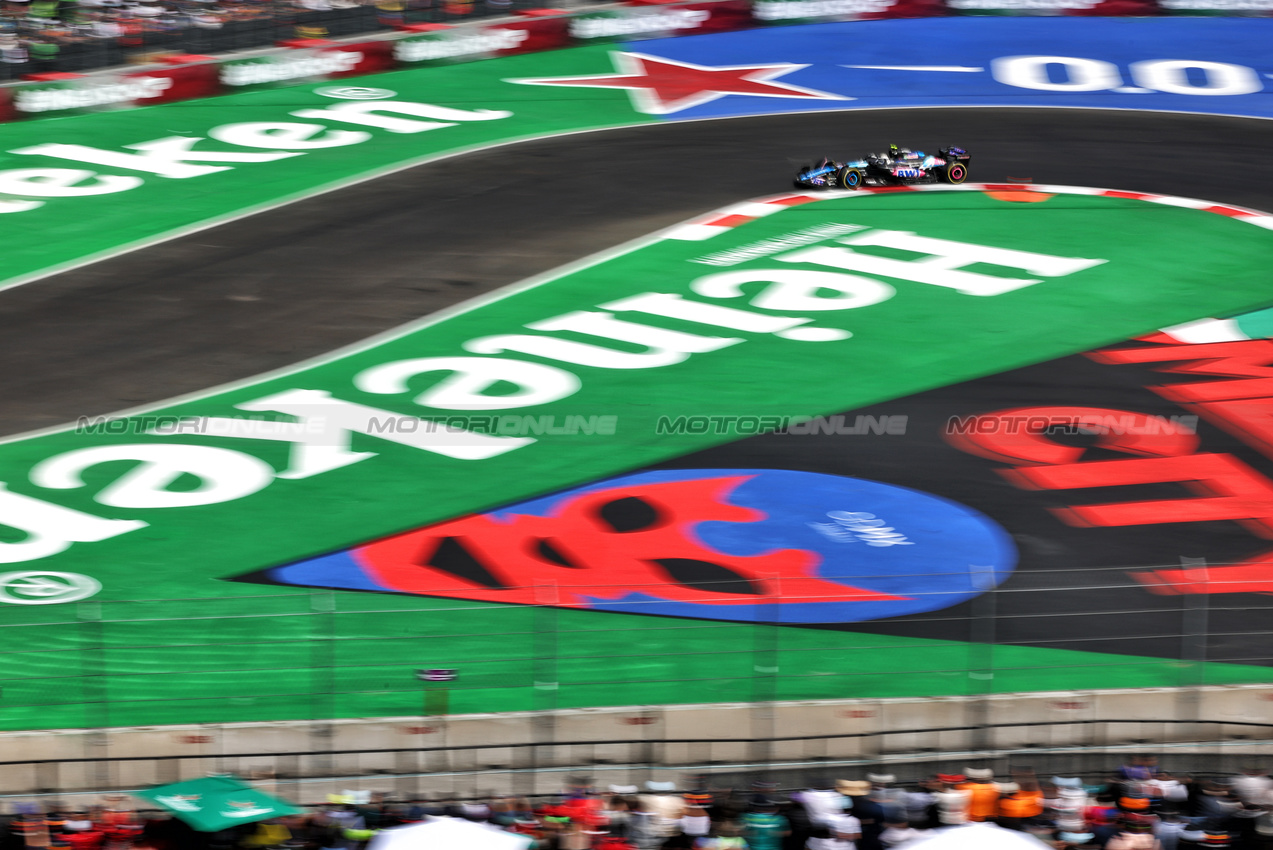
(659, 86)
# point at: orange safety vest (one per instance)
(1023, 804)
(984, 802)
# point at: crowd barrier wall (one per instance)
(185, 76)
(1209, 729)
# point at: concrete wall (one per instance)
(529, 753)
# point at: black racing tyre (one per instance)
(956, 173)
(850, 178)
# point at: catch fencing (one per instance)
(320, 655)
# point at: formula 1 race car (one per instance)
(897, 167)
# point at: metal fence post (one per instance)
(1193, 649)
(322, 604)
(544, 673)
(981, 672)
(765, 672)
(95, 677)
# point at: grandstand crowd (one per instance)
(1139, 807)
(42, 36)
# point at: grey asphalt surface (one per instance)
(277, 287)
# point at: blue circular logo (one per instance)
(747, 545)
(871, 550)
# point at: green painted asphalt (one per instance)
(236, 651)
(97, 225)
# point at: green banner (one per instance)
(215, 803)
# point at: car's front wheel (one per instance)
(850, 178)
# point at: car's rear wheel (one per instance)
(850, 178)
(956, 173)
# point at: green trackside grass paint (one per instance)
(107, 181)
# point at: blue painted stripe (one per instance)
(1112, 54)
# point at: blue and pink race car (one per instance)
(897, 167)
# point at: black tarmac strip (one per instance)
(281, 286)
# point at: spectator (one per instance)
(1139, 768)
(1168, 829)
(887, 794)
(983, 794)
(763, 827)
(1135, 833)
(665, 806)
(1253, 785)
(728, 836)
(644, 828)
(921, 804)
(822, 802)
(695, 821)
(898, 833)
(1165, 788)
(952, 799)
(1214, 805)
(617, 814)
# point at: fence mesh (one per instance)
(317, 654)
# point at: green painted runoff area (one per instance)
(98, 224)
(235, 651)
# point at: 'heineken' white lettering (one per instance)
(366, 114)
(62, 182)
(782, 10)
(55, 99)
(486, 41)
(289, 68)
(941, 266)
(632, 24)
(173, 156)
(322, 449)
(51, 528)
(795, 289)
(321, 427)
(170, 157)
(224, 475)
(665, 347)
(537, 383)
(7, 206)
(675, 307)
(290, 135)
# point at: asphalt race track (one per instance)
(281, 286)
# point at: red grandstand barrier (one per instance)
(51, 77)
(187, 82)
(377, 56)
(542, 33)
(724, 16)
